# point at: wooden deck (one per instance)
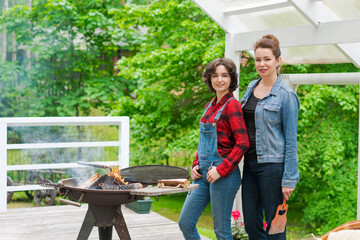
(64, 222)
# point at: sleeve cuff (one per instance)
(289, 183)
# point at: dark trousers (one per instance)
(261, 192)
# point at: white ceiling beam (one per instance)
(339, 32)
(314, 12)
(215, 9)
(318, 12)
(352, 78)
(257, 7)
(351, 51)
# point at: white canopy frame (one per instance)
(309, 31)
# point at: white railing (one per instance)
(122, 144)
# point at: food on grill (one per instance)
(175, 183)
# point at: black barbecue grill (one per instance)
(104, 206)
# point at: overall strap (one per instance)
(206, 109)
(220, 111)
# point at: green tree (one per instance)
(328, 143)
(13, 94)
(74, 46)
(179, 40)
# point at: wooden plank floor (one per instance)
(64, 222)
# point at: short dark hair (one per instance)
(230, 67)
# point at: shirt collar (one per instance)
(224, 99)
(275, 87)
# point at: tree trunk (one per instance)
(13, 47)
(4, 36)
(13, 42)
(28, 52)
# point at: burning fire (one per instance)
(116, 173)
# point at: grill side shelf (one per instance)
(155, 191)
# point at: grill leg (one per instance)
(87, 226)
(105, 233)
(120, 225)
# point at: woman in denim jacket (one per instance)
(271, 163)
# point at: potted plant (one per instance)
(238, 228)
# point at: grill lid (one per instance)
(150, 174)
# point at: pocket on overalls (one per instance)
(205, 145)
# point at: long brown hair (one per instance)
(269, 41)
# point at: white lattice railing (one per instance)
(5, 123)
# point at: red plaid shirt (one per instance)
(232, 136)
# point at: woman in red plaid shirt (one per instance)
(222, 143)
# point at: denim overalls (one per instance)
(221, 193)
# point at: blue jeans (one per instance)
(221, 194)
(261, 192)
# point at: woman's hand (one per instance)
(212, 175)
(287, 192)
(194, 173)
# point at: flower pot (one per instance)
(140, 206)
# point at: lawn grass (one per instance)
(20, 200)
(170, 207)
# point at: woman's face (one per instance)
(220, 80)
(265, 62)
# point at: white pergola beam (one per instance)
(215, 9)
(314, 12)
(351, 51)
(338, 32)
(317, 12)
(352, 78)
(257, 7)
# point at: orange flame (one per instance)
(116, 173)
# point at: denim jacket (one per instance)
(276, 117)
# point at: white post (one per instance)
(124, 130)
(3, 167)
(234, 55)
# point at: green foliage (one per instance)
(238, 231)
(328, 143)
(75, 45)
(11, 92)
(163, 48)
(179, 40)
